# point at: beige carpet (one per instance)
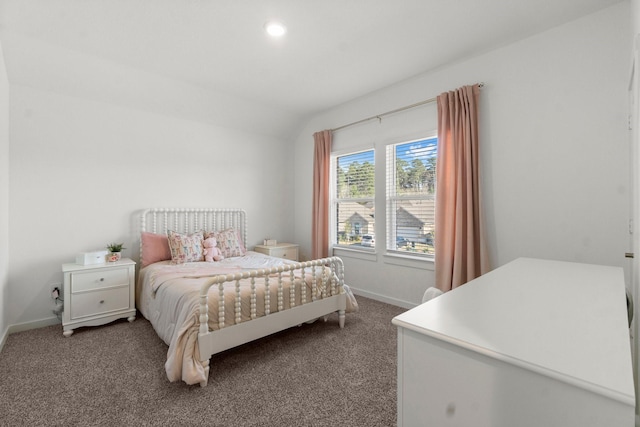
(113, 375)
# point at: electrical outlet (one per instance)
(53, 287)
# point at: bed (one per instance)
(201, 308)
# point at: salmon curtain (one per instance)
(320, 213)
(461, 251)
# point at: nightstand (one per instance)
(280, 250)
(97, 294)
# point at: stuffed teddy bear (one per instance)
(211, 251)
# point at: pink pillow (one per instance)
(155, 248)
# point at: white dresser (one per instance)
(533, 343)
(97, 294)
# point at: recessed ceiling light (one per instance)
(275, 29)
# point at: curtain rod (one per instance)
(397, 110)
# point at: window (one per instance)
(354, 199)
(411, 186)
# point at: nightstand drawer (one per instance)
(99, 302)
(288, 253)
(281, 250)
(86, 281)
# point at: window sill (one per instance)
(409, 261)
(393, 258)
(363, 254)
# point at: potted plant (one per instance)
(115, 250)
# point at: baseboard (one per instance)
(20, 327)
(3, 339)
(383, 298)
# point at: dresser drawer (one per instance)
(99, 302)
(88, 280)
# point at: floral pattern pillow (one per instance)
(185, 247)
(229, 242)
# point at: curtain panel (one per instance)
(461, 251)
(321, 176)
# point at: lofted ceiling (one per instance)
(334, 50)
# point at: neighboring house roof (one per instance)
(405, 219)
(418, 214)
(356, 217)
(356, 212)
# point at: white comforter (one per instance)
(167, 295)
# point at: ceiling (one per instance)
(334, 51)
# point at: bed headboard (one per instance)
(189, 220)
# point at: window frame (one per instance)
(390, 198)
(335, 200)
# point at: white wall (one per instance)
(80, 169)
(634, 55)
(50, 67)
(4, 199)
(554, 146)
(635, 18)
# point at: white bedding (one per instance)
(167, 295)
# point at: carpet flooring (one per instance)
(113, 375)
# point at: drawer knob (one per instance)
(102, 279)
(101, 301)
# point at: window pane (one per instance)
(355, 198)
(355, 176)
(411, 184)
(355, 220)
(416, 167)
(413, 226)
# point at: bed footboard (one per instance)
(327, 296)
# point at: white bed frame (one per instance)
(334, 299)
